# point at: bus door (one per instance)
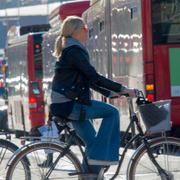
(36, 96)
(166, 53)
(36, 104)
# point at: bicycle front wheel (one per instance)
(47, 161)
(167, 154)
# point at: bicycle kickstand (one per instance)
(101, 174)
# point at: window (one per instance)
(38, 69)
(35, 88)
(101, 26)
(166, 21)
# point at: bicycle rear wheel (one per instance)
(42, 168)
(166, 152)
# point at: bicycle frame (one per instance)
(141, 136)
(133, 121)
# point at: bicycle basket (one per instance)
(156, 116)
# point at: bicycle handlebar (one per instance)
(138, 94)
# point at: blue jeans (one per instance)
(104, 144)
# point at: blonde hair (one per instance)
(70, 25)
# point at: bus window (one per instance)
(35, 88)
(101, 26)
(34, 28)
(166, 21)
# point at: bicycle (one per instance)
(7, 149)
(153, 159)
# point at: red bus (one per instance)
(55, 19)
(137, 43)
(25, 94)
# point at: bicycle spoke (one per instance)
(2, 154)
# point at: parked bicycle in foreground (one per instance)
(156, 158)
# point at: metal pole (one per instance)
(18, 15)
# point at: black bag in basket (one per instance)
(152, 114)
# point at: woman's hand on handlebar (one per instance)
(128, 92)
(131, 92)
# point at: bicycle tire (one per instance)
(167, 153)
(7, 149)
(38, 150)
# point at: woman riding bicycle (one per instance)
(71, 96)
